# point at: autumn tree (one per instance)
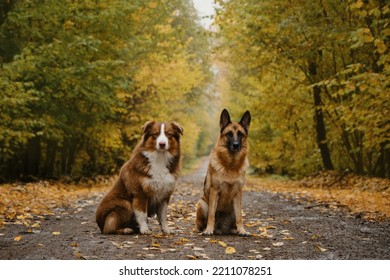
(79, 78)
(329, 57)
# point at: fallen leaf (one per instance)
(17, 238)
(198, 249)
(288, 238)
(278, 244)
(191, 257)
(127, 244)
(319, 248)
(78, 255)
(230, 250)
(223, 244)
(156, 245)
(264, 232)
(252, 224)
(56, 233)
(315, 237)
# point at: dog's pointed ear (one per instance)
(225, 119)
(147, 126)
(178, 127)
(246, 120)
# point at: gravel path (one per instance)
(283, 229)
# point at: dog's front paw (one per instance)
(208, 232)
(145, 231)
(167, 231)
(244, 233)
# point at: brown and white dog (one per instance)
(219, 210)
(145, 183)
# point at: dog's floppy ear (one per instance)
(246, 120)
(178, 127)
(225, 119)
(147, 126)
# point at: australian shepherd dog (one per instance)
(145, 183)
(219, 210)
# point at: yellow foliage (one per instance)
(23, 202)
(370, 196)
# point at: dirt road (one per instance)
(283, 229)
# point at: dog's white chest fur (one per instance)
(162, 182)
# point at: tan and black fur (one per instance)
(145, 182)
(219, 210)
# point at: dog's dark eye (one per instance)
(240, 134)
(229, 134)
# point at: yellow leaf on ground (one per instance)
(288, 238)
(319, 248)
(17, 238)
(230, 250)
(191, 257)
(223, 244)
(56, 233)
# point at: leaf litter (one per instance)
(270, 237)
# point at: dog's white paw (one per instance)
(127, 231)
(208, 232)
(167, 231)
(145, 231)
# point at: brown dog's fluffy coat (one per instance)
(219, 210)
(145, 182)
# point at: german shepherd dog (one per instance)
(219, 210)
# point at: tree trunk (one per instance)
(51, 151)
(382, 167)
(320, 124)
(33, 157)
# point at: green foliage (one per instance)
(79, 78)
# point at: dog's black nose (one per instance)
(162, 145)
(236, 146)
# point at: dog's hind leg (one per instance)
(113, 225)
